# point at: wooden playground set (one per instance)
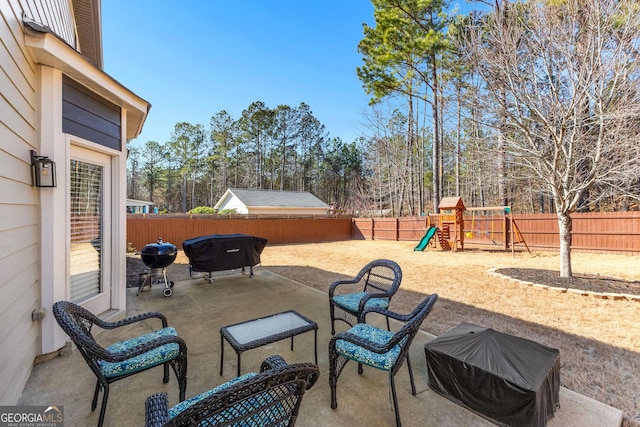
(491, 226)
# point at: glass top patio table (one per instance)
(255, 333)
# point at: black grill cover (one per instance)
(219, 252)
(511, 380)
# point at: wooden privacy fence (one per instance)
(610, 232)
(408, 228)
(605, 232)
(176, 228)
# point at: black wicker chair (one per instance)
(377, 348)
(270, 398)
(124, 358)
(374, 286)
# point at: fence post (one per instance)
(506, 230)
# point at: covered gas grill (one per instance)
(157, 256)
(219, 252)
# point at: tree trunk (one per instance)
(407, 187)
(184, 192)
(502, 162)
(564, 226)
(457, 148)
(436, 139)
(152, 189)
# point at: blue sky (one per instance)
(192, 59)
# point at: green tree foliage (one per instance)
(202, 210)
(256, 126)
(152, 168)
(401, 56)
(282, 148)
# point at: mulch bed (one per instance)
(135, 267)
(584, 282)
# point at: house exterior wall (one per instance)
(232, 202)
(56, 14)
(20, 340)
(139, 206)
(34, 231)
(86, 115)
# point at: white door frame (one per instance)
(53, 211)
(101, 302)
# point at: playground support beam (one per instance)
(491, 208)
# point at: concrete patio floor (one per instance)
(198, 309)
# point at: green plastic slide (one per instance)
(431, 231)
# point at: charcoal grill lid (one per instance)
(159, 248)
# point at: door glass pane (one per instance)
(86, 230)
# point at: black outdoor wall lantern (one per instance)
(44, 171)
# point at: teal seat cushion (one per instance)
(195, 399)
(259, 410)
(384, 361)
(351, 302)
(156, 356)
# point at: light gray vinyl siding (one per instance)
(19, 228)
(55, 14)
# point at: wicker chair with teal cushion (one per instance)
(377, 348)
(269, 398)
(374, 286)
(125, 358)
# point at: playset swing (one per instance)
(488, 230)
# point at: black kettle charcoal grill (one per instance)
(157, 256)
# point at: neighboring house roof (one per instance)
(272, 198)
(134, 202)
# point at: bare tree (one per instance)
(223, 130)
(152, 166)
(566, 76)
(186, 145)
(133, 171)
(255, 123)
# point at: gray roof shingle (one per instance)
(253, 198)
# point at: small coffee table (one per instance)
(255, 333)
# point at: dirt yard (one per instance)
(598, 338)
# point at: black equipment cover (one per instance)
(219, 252)
(510, 380)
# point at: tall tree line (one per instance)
(455, 99)
(535, 104)
(281, 148)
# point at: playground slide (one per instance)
(426, 238)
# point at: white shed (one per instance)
(264, 202)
